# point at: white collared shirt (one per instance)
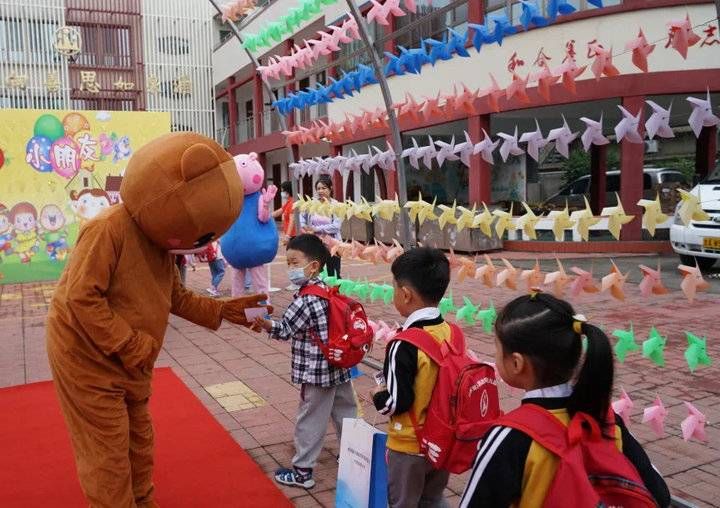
(550, 392)
(424, 314)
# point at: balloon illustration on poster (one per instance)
(2, 158)
(37, 154)
(74, 123)
(49, 126)
(65, 157)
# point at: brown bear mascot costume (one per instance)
(111, 307)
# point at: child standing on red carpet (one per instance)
(325, 391)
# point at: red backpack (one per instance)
(463, 405)
(350, 336)
(592, 471)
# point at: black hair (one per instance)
(286, 187)
(542, 327)
(325, 180)
(311, 246)
(424, 269)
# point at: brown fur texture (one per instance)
(110, 310)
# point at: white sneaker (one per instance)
(293, 287)
(213, 291)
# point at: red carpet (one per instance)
(197, 463)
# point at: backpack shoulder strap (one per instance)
(540, 424)
(424, 341)
(315, 290)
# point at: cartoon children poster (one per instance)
(59, 169)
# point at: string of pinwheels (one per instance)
(453, 44)
(464, 100)
(653, 348)
(499, 221)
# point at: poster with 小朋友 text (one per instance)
(59, 169)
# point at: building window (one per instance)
(432, 25)
(172, 45)
(105, 46)
(11, 40)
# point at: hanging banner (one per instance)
(59, 169)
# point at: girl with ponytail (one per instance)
(565, 366)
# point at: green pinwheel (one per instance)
(467, 312)
(388, 293)
(488, 317)
(654, 348)
(447, 305)
(347, 286)
(362, 290)
(696, 352)
(626, 343)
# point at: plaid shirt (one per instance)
(305, 318)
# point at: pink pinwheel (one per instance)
(583, 282)
(569, 72)
(602, 65)
(493, 94)
(517, 88)
(654, 416)
(395, 251)
(382, 332)
(545, 79)
(692, 281)
(681, 35)
(694, 425)
(559, 280)
(640, 51)
(622, 407)
(431, 107)
(651, 283)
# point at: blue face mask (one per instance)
(297, 275)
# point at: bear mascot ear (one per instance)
(198, 160)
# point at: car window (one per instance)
(580, 186)
(647, 181)
(612, 183)
(672, 178)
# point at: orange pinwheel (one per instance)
(559, 280)
(534, 278)
(508, 276)
(486, 272)
(614, 281)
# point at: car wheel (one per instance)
(703, 263)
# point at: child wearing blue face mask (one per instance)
(325, 391)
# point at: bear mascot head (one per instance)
(183, 191)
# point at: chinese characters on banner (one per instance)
(52, 83)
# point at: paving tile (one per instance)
(232, 355)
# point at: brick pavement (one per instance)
(263, 426)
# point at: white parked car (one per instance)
(700, 240)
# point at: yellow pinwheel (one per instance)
(617, 218)
(483, 221)
(363, 209)
(653, 215)
(466, 219)
(448, 215)
(585, 220)
(504, 221)
(561, 222)
(386, 209)
(421, 210)
(690, 208)
(528, 222)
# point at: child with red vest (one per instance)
(420, 277)
(539, 348)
